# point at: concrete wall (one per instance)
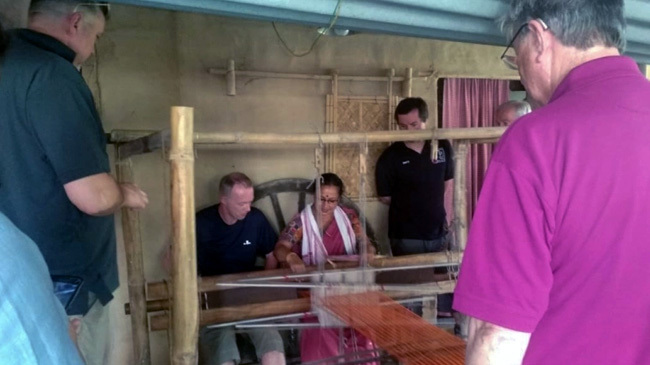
(149, 60)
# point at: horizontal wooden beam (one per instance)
(348, 137)
(157, 140)
(144, 144)
(160, 290)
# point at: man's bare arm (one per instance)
(492, 344)
(100, 194)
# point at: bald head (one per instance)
(510, 111)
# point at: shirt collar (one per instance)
(595, 70)
(47, 43)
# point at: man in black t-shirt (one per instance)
(229, 238)
(413, 185)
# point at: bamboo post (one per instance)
(407, 84)
(185, 308)
(230, 79)
(391, 76)
(460, 193)
(135, 273)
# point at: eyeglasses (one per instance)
(511, 59)
(328, 201)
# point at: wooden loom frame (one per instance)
(185, 306)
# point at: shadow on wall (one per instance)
(13, 13)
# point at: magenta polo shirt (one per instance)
(560, 242)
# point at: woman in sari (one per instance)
(301, 244)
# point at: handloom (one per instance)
(185, 314)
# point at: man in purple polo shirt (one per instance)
(557, 262)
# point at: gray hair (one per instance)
(520, 108)
(64, 7)
(576, 23)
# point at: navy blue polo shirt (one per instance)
(416, 186)
(228, 249)
(50, 135)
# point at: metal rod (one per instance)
(369, 269)
(383, 287)
(264, 319)
(284, 325)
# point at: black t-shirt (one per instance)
(228, 249)
(416, 186)
(50, 135)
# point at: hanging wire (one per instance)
(335, 17)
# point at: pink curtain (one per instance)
(472, 103)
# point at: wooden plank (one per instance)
(281, 307)
(159, 290)
(142, 145)
(279, 217)
(135, 275)
(301, 201)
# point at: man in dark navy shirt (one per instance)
(55, 182)
(229, 238)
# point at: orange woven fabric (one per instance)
(398, 331)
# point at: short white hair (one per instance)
(521, 107)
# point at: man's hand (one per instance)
(491, 344)
(295, 263)
(133, 196)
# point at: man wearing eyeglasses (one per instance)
(55, 181)
(556, 267)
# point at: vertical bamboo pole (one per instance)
(135, 274)
(391, 75)
(185, 308)
(460, 193)
(230, 79)
(407, 84)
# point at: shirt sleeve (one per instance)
(65, 122)
(449, 157)
(506, 275)
(293, 233)
(267, 236)
(384, 175)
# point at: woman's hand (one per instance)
(295, 263)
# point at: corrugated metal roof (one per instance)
(454, 20)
